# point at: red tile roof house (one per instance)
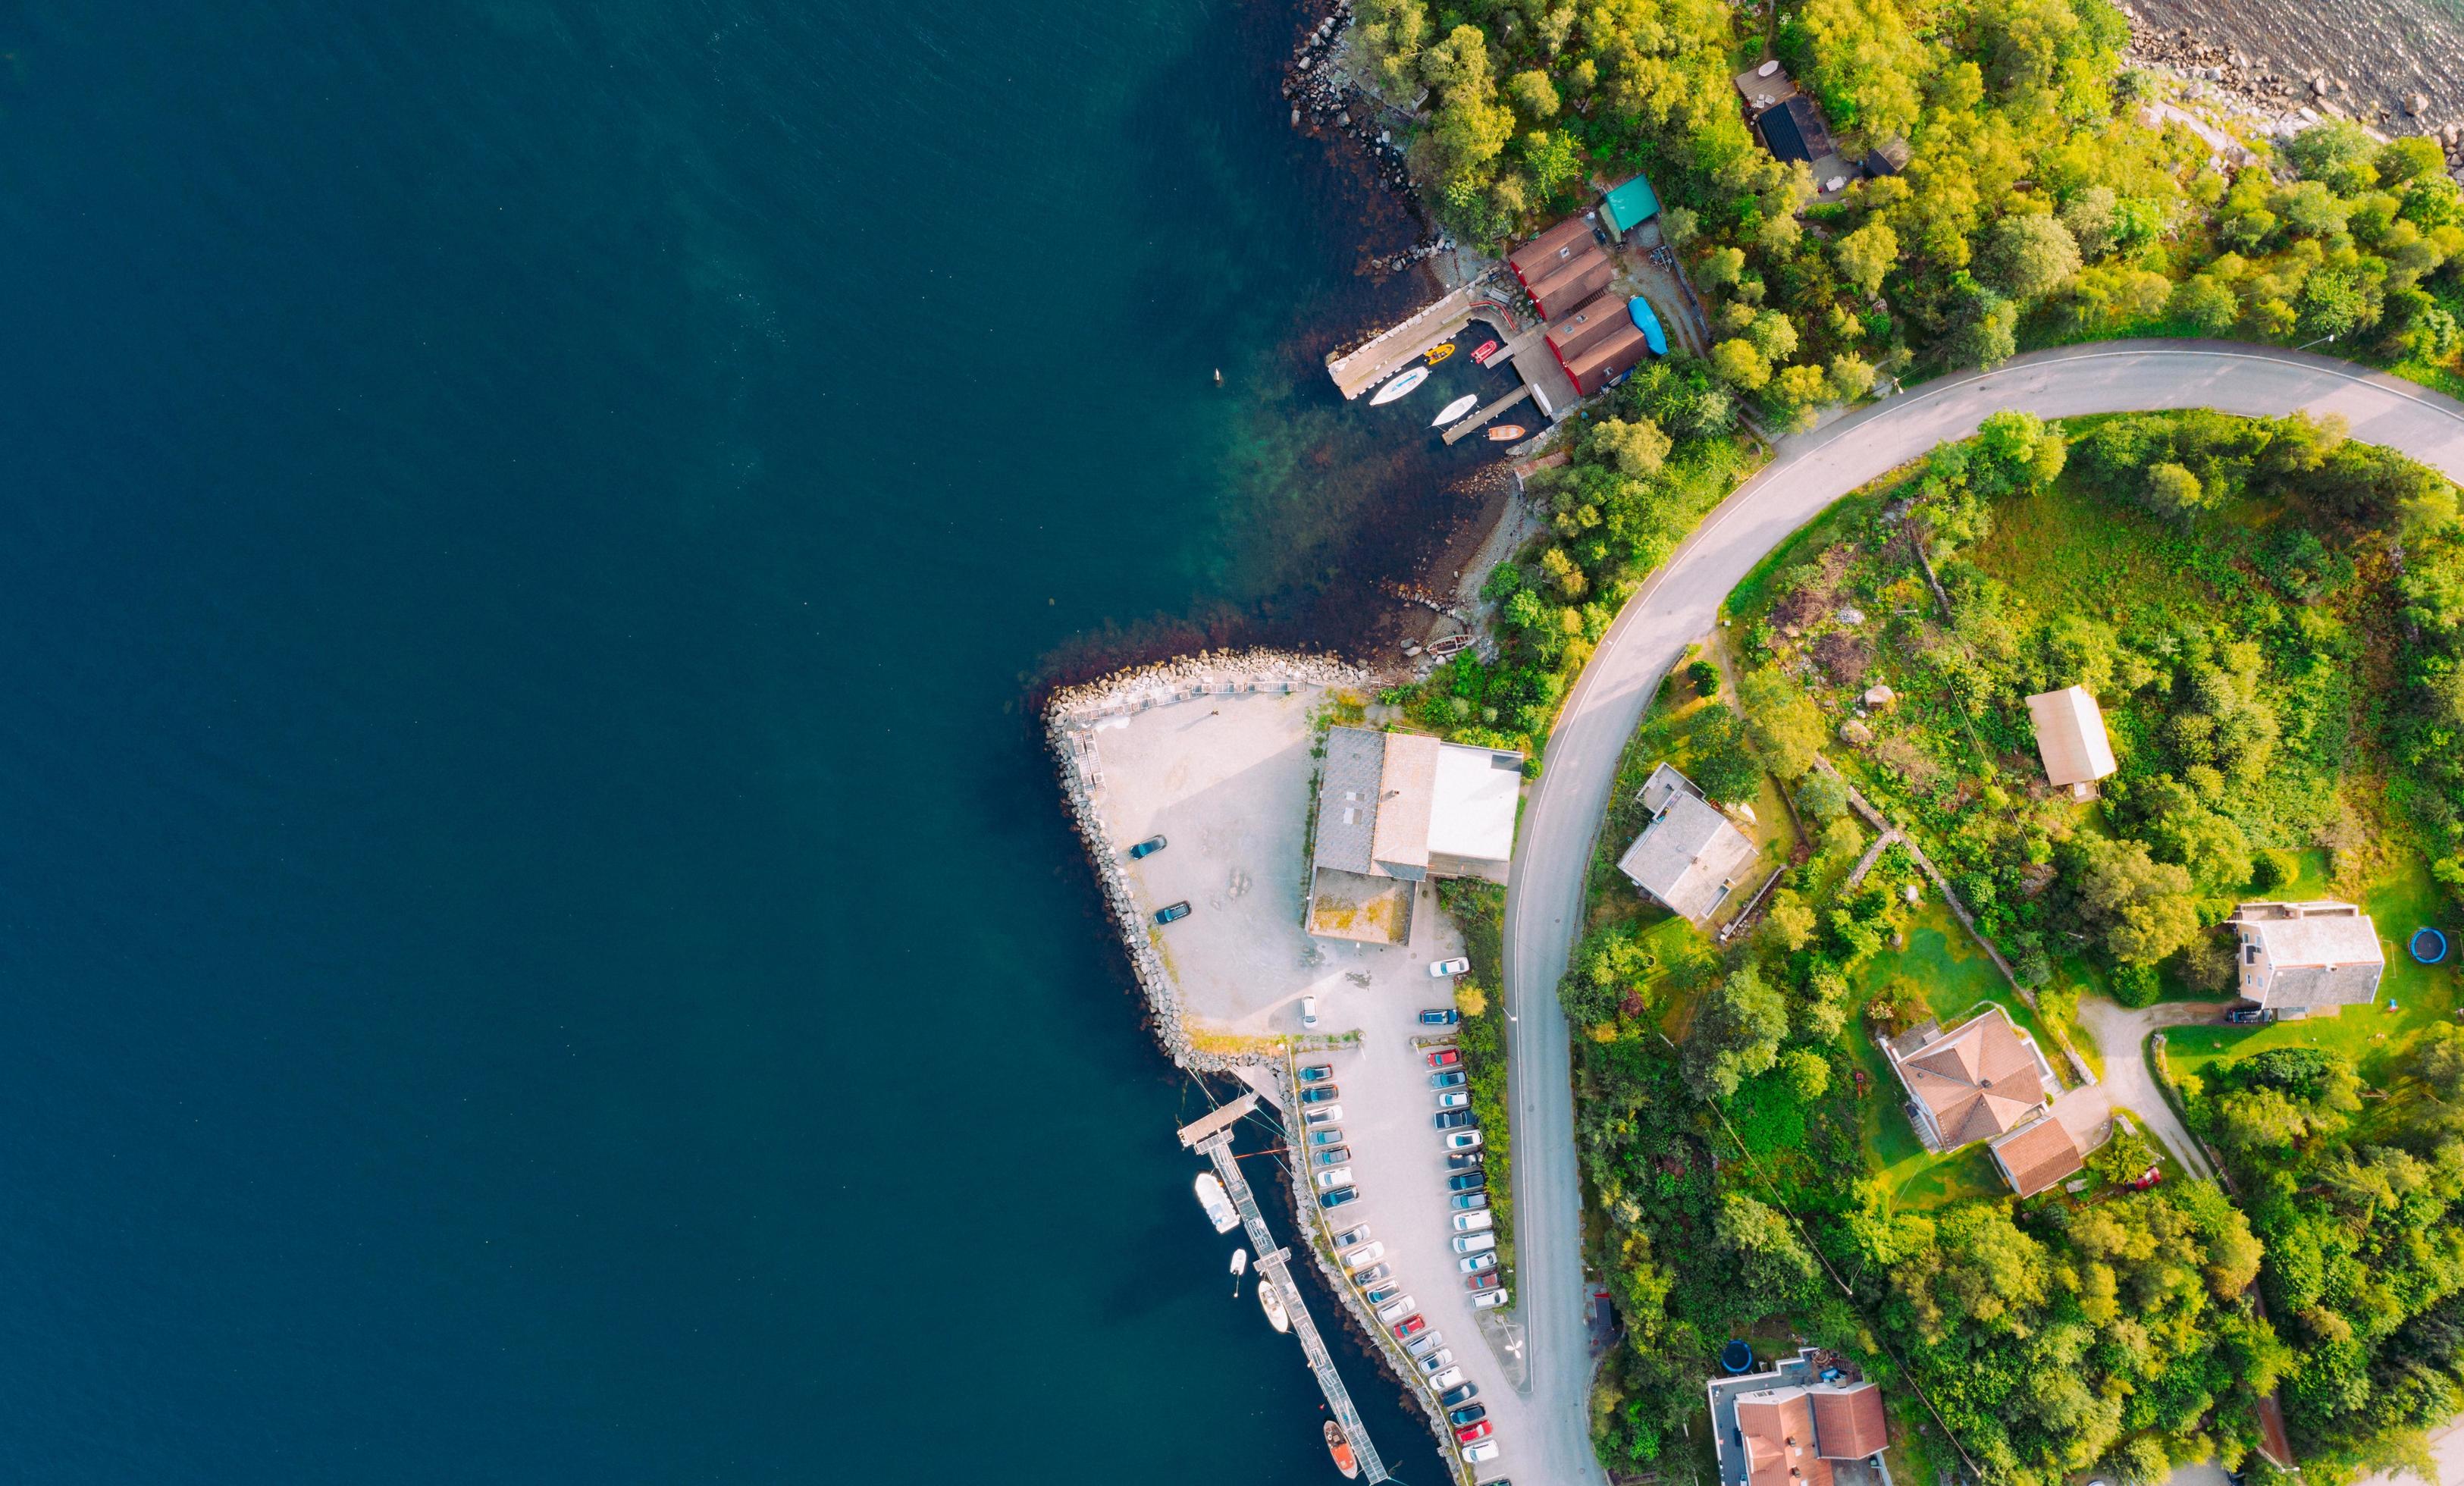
(1806, 1422)
(1986, 1080)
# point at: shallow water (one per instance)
(2382, 49)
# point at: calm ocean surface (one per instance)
(536, 942)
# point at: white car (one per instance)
(1476, 1263)
(1447, 1380)
(1329, 1181)
(1424, 1346)
(1474, 1455)
(1395, 1309)
(1464, 1139)
(1475, 1243)
(1308, 1011)
(1324, 1114)
(1488, 1300)
(1444, 967)
(1365, 1254)
(1438, 1361)
(1453, 1099)
(1479, 1222)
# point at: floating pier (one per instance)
(1212, 1138)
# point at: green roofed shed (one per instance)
(1629, 207)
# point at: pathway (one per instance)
(2121, 1035)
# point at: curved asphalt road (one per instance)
(1545, 897)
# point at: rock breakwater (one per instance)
(1072, 717)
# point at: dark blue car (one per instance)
(1177, 910)
(1148, 848)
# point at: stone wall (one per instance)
(1071, 719)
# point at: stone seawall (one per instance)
(1071, 719)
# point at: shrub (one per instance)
(1704, 677)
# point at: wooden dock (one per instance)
(1465, 428)
(1398, 346)
(1215, 1142)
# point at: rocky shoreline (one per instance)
(1326, 99)
(2282, 95)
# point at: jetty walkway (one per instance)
(1212, 1138)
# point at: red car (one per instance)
(1487, 1279)
(2146, 1179)
(1410, 1326)
(1474, 1432)
(1444, 1058)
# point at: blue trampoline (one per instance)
(2429, 946)
(1737, 1357)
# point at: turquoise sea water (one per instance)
(535, 941)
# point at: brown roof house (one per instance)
(1395, 809)
(2037, 1156)
(1806, 1422)
(1692, 856)
(1984, 1079)
(2302, 957)
(2070, 737)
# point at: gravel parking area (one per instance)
(1226, 780)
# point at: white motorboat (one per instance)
(1239, 1260)
(1456, 409)
(1219, 1207)
(1273, 1305)
(1399, 385)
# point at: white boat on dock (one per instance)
(1456, 409)
(1399, 385)
(1219, 1207)
(1273, 1305)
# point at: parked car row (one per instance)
(1475, 1243)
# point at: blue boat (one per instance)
(1648, 324)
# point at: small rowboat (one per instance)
(1399, 385)
(1455, 410)
(1273, 1305)
(1488, 349)
(1341, 1449)
(1437, 354)
(1451, 645)
(1505, 433)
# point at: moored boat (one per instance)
(1341, 1449)
(1505, 433)
(1219, 1207)
(1239, 1260)
(1437, 354)
(1488, 349)
(1273, 1305)
(1449, 645)
(1399, 385)
(1455, 410)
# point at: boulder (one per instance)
(1878, 696)
(1857, 733)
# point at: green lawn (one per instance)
(1946, 964)
(2400, 903)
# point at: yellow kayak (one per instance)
(1439, 354)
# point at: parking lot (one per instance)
(1225, 780)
